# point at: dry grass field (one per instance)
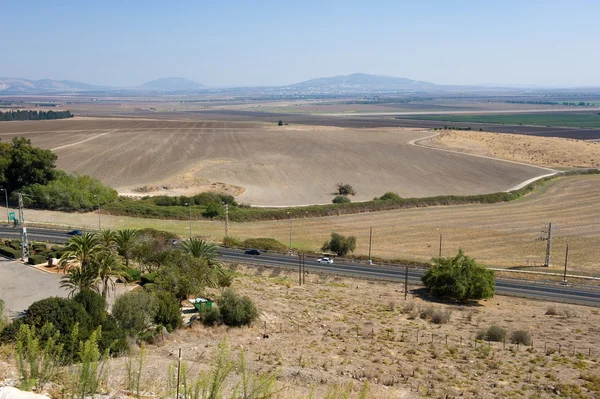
(266, 164)
(502, 235)
(551, 152)
(323, 335)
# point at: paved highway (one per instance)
(583, 295)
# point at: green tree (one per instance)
(345, 189)
(182, 275)
(236, 311)
(341, 199)
(79, 251)
(107, 238)
(135, 312)
(108, 267)
(81, 278)
(168, 312)
(213, 210)
(202, 249)
(339, 244)
(125, 241)
(459, 278)
(28, 165)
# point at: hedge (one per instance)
(148, 278)
(133, 274)
(9, 252)
(36, 259)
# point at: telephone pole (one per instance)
(24, 242)
(370, 240)
(566, 261)
(226, 220)
(548, 240)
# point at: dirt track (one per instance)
(287, 165)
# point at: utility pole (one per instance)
(300, 269)
(548, 240)
(440, 254)
(190, 208)
(370, 240)
(291, 252)
(24, 242)
(566, 261)
(405, 282)
(303, 269)
(226, 220)
(6, 198)
(98, 199)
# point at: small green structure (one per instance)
(201, 303)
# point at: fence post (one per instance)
(446, 339)
(431, 338)
(417, 336)
(559, 349)
(545, 346)
(461, 340)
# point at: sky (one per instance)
(552, 43)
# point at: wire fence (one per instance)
(427, 338)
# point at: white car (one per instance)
(328, 261)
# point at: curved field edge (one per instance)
(148, 209)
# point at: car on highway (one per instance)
(252, 252)
(328, 261)
(75, 233)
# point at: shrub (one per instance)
(345, 189)
(213, 210)
(210, 316)
(62, 313)
(36, 259)
(390, 196)
(460, 278)
(93, 303)
(552, 311)
(521, 337)
(408, 307)
(493, 333)
(236, 311)
(135, 312)
(229, 241)
(339, 244)
(168, 312)
(3, 318)
(340, 199)
(268, 244)
(148, 278)
(440, 316)
(132, 274)
(9, 252)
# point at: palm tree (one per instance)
(126, 241)
(108, 266)
(79, 251)
(201, 249)
(107, 238)
(80, 278)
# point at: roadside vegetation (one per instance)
(567, 119)
(24, 115)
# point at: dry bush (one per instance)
(493, 333)
(440, 316)
(408, 307)
(391, 306)
(426, 313)
(552, 311)
(521, 337)
(568, 313)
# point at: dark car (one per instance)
(75, 233)
(252, 252)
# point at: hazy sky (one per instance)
(228, 43)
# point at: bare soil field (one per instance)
(323, 335)
(501, 235)
(263, 164)
(551, 152)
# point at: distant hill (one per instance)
(171, 84)
(360, 82)
(17, 85)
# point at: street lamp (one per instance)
(440, 254)
(190, 208)
(291, 252)
(6, 198)
(98, 199)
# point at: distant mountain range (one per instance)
(27, 86)
(360, 82)
(357, 83)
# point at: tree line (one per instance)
(25, 115)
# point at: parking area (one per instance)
(22, 285)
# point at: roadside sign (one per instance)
(11, 216)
